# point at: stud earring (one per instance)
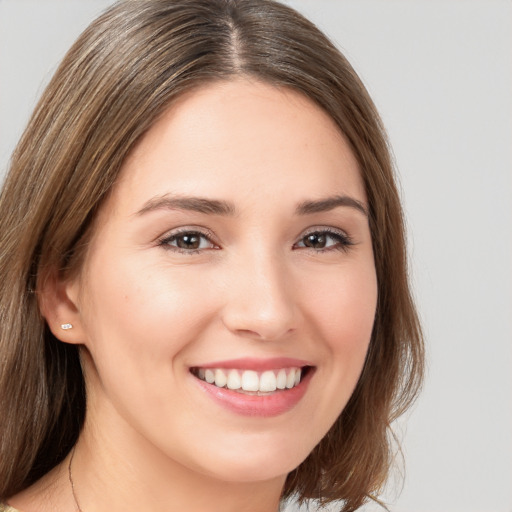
(66, 326)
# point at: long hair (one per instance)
(124, 72)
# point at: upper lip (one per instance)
(257, 364)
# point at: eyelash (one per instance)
(166, 241)
(343, 241)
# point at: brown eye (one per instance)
(324, 241)
(315, 240)
(188, 241)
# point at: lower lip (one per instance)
(268, 405)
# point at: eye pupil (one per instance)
(188, 241)
(315, 240)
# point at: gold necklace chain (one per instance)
(71, 480)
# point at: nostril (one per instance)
(266, 333)
(259, 316)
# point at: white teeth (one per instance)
(251, 381)
(281, 379)
(290, 379)
(234, 380)
(220, 378)
(268, 381)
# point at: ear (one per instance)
(59, 305)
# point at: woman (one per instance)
(205, 301)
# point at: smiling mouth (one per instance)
(252, 382)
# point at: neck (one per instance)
(120, 473)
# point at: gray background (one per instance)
(441, 75)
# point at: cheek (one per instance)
(138, 319)
(343, 309)
(134, 300)
(344, 306)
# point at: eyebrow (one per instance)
(195, 204)
(226, 208)
(330, 203)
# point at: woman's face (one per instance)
(235, 247)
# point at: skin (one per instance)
(146, 312)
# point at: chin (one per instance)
(256, 463)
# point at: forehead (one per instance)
(237, 139)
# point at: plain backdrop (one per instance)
(441, 74)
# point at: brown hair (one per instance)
(121, 74)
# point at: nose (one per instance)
(260, 297)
